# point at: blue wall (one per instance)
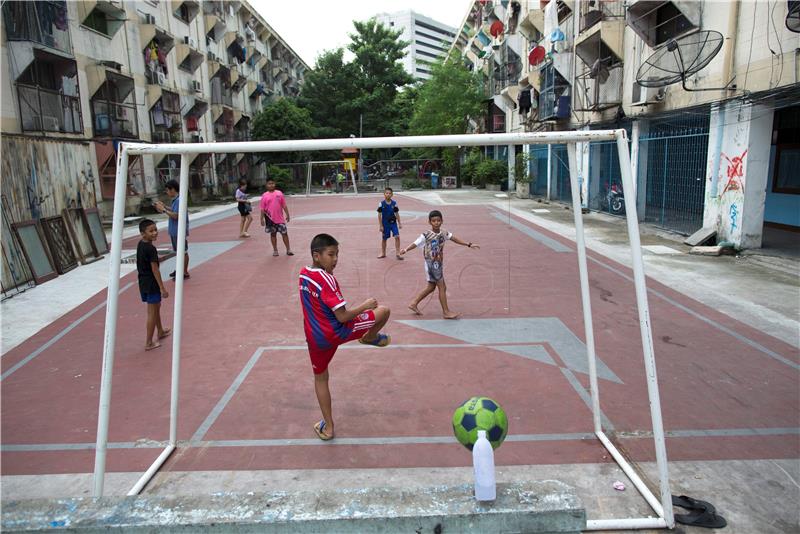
(780, 207)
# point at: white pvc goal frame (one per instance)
(661, 505)
(344, 162)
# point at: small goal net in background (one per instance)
(660, 500)
(323, 177)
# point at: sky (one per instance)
(312, 26)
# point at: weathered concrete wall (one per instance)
(738, 162)
(543, 506)
(41, 177)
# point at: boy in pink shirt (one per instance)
(273, 207)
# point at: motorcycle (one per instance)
(614, 200)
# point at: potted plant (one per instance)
(522, 175)
(490, 173)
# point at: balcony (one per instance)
(189, 58)
(45, 110)
(554, 100)
(215, 24)
(186, 10)
(104, 16)
(658, 21)
(39, 22)
(114, 119)
(598, 87)
(602, 31)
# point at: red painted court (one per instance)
(247, 399)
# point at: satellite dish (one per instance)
(537, 55)
(793, 16)
(679, 59)
(496, 29)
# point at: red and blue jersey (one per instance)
(320, 297)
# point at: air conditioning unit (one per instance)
(50, 123)
(149, 19)
(644, 96)
(162, 78)
(196, 86)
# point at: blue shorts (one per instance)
(390, 229)
(174, 240)
(151, 298)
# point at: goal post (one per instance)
(346, 163)
(660, 503)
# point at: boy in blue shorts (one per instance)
(151, 287)
(388, 222)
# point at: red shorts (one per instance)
(320, 358)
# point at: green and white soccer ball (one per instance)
(480, 413)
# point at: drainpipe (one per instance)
(730, 44)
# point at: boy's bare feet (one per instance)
(152, 346)
(165, 333)
(399, 257)
(381, 256)
(451, 315)
(413, 308)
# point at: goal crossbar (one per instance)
(661, 503)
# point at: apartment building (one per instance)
(428, 40)
(80, 77)
(707, 90)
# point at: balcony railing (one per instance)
(594, 12)
(115, 119)
(49, 111)
(224, 98)
(596, 91)
(43, 22)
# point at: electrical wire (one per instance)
(752, 33)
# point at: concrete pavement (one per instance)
(755, 495)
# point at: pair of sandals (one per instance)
(701, 513)
(288, 253)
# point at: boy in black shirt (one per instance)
(151, 286)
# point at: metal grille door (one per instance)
(674, 157)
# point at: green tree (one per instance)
(282, 119)
(448, 100)
(329, 93)
(446, 103)
(344, 97)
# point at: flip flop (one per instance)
(319, 428)
(702, 513)
(276, 253)
(153, 346)
(683, 501)
(381, 341)
(289, 253)
(705, 519)
(167, 332)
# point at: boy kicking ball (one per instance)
(433, 242)
(328, 324)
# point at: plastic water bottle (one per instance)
(483, 463)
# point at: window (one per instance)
(183, 13)
(786, 136)
(98, 21)
(670, 23)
